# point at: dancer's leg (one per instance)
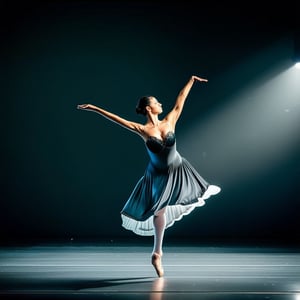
(159, 222)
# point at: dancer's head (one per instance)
(142, 104)
(148, 103)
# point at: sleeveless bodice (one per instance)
(156, 145)
(163, 153)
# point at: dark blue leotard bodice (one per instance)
(163, 153)
(157, 145)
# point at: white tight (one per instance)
(159, 222)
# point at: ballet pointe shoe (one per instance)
(156, 262)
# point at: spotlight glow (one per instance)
(297, 65)
(257, 129)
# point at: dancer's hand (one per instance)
(196, 78)
(83, 106)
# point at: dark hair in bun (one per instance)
(141, 105)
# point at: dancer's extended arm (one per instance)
(133, 126)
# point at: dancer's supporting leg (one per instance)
(159, 222)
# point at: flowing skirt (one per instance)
(179, 189)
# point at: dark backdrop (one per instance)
(67, 173)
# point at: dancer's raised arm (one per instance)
(133, 126)
(175, 113)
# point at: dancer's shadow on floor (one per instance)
(104, 283)
(71, 284)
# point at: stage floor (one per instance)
(124, 272)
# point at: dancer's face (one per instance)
(156, 107)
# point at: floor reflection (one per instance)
(158, 286)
